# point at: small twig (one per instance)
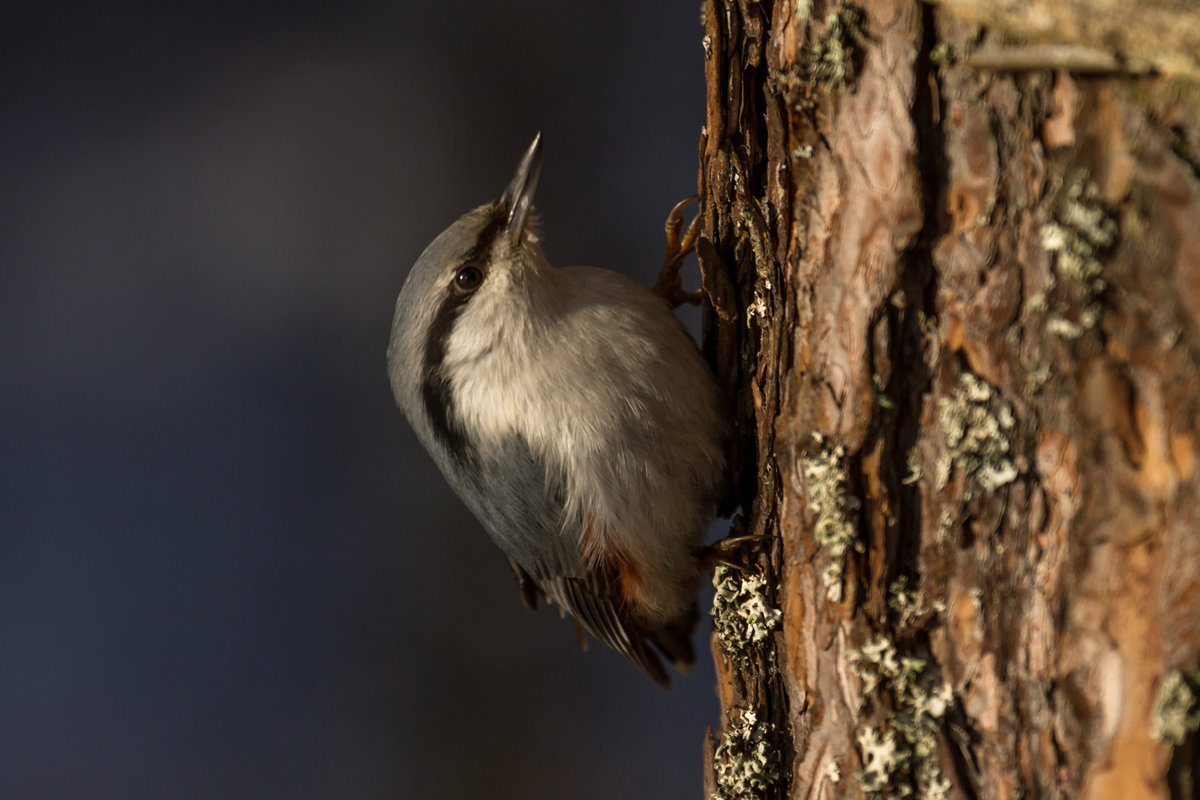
(1069, 57)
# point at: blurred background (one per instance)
(226, 567)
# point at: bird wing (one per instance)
(522, 508)
(594, 605)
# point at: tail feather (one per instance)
(598, 612)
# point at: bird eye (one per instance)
(468, 279)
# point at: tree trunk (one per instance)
(956, 286)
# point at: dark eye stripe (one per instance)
(435, 385)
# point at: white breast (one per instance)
(608, 390)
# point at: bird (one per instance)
(573, 414)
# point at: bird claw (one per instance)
(669, 285)
(721, 552)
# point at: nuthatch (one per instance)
(573, 414)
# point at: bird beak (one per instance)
(518, 197)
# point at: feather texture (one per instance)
(574, 415)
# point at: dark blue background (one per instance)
(226, 567)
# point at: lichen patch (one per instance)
(829, 499)
(744, 761)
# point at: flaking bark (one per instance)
(957, 313)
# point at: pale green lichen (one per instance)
(1083, 230)
(742, 617)
(1176, 709)
(914, 468)
(943, 54)
(1061, 326)
(900, 755)
(804, 151)
(1079, 233)
(744, 762)
(903, 601)
(756, 308)
(1037, 377)
(828, 498)
(945, 524)
(830, 59)
(879, 390)
(879, 758)
(975, 424)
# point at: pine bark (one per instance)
(956, 306)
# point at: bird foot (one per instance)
(669, 285)
(721, 552)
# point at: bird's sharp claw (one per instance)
(669, 286)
